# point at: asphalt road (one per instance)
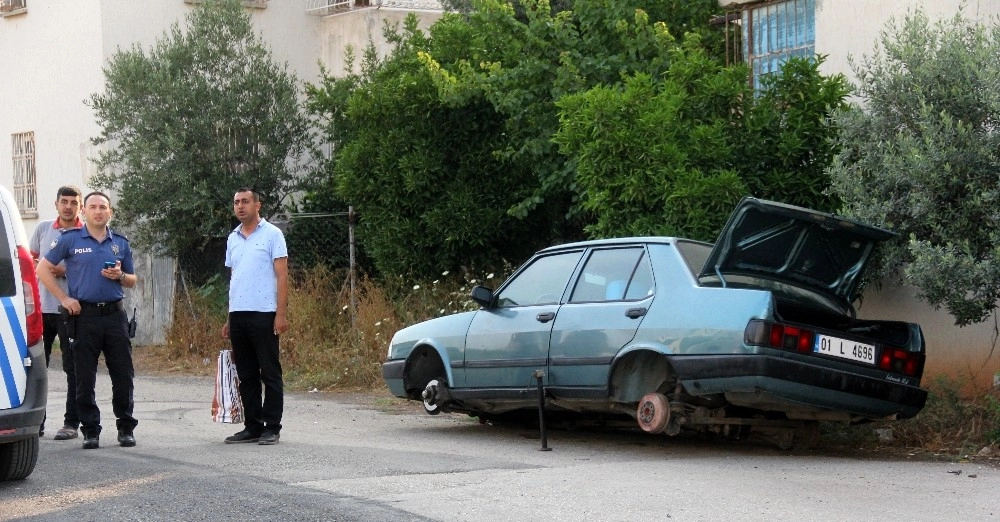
(367, 457)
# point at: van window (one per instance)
(7, 259)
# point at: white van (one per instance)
(23, 380)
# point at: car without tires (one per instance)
(22, 369)
(757, 331)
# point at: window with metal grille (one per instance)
(13, 7)
(239, 148)
(775, 31)
(23, 153)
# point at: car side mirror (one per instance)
(482, 295)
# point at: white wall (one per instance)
(847, 28)
(357, 28)
(51, 62)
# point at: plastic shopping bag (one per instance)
(226, 405)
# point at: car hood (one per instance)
(821, 252)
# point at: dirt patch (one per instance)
(154, 360)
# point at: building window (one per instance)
(775, 31)
(23, 153)
(13, 7)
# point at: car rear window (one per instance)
(695, 254)
(7, 283)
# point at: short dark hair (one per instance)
(68, 190)
(97, 193)
(256, 196)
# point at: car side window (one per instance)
(606, 275)
(542, 282)
(641, 285)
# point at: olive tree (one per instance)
(203, 111)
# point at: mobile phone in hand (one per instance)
(109, 264)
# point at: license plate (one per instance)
(845, 349)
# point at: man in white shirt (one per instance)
(258, 300)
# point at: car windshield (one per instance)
(541, 282)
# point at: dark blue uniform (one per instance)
(102, 326)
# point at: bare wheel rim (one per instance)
(653, 412)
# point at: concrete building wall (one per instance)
(357, 28)
(851, 28)
(49, 70)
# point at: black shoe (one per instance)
(268, 438)
(91, 442)
(242, 437)
(126, 439)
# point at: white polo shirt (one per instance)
(254, 286)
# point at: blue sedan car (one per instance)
(756, 332)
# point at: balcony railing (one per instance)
(329, 7)
(13, 7)
(332, 7)
(256, 4)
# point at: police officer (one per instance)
(98, 268)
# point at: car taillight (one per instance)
(32, 303)
(775, 335)
(896, 360)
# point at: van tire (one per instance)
(18, 458)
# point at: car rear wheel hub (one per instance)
(653, 413)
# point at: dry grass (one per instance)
(325, 347)
(949, 426)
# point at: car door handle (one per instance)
(545, 317)
(635, 313)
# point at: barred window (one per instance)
(13, 7)
(775, 31)
(23, 153)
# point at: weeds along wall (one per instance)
(340, 320)
(322, 349)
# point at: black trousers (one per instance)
(108, 335)
(52, 326)
(255, 352)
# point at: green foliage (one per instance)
(204, 111)
(445, 147)
(673, 154)
(921, 158)
(788, 138)
(421, 173)
(523, 60)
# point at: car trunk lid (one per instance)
(806, 248)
